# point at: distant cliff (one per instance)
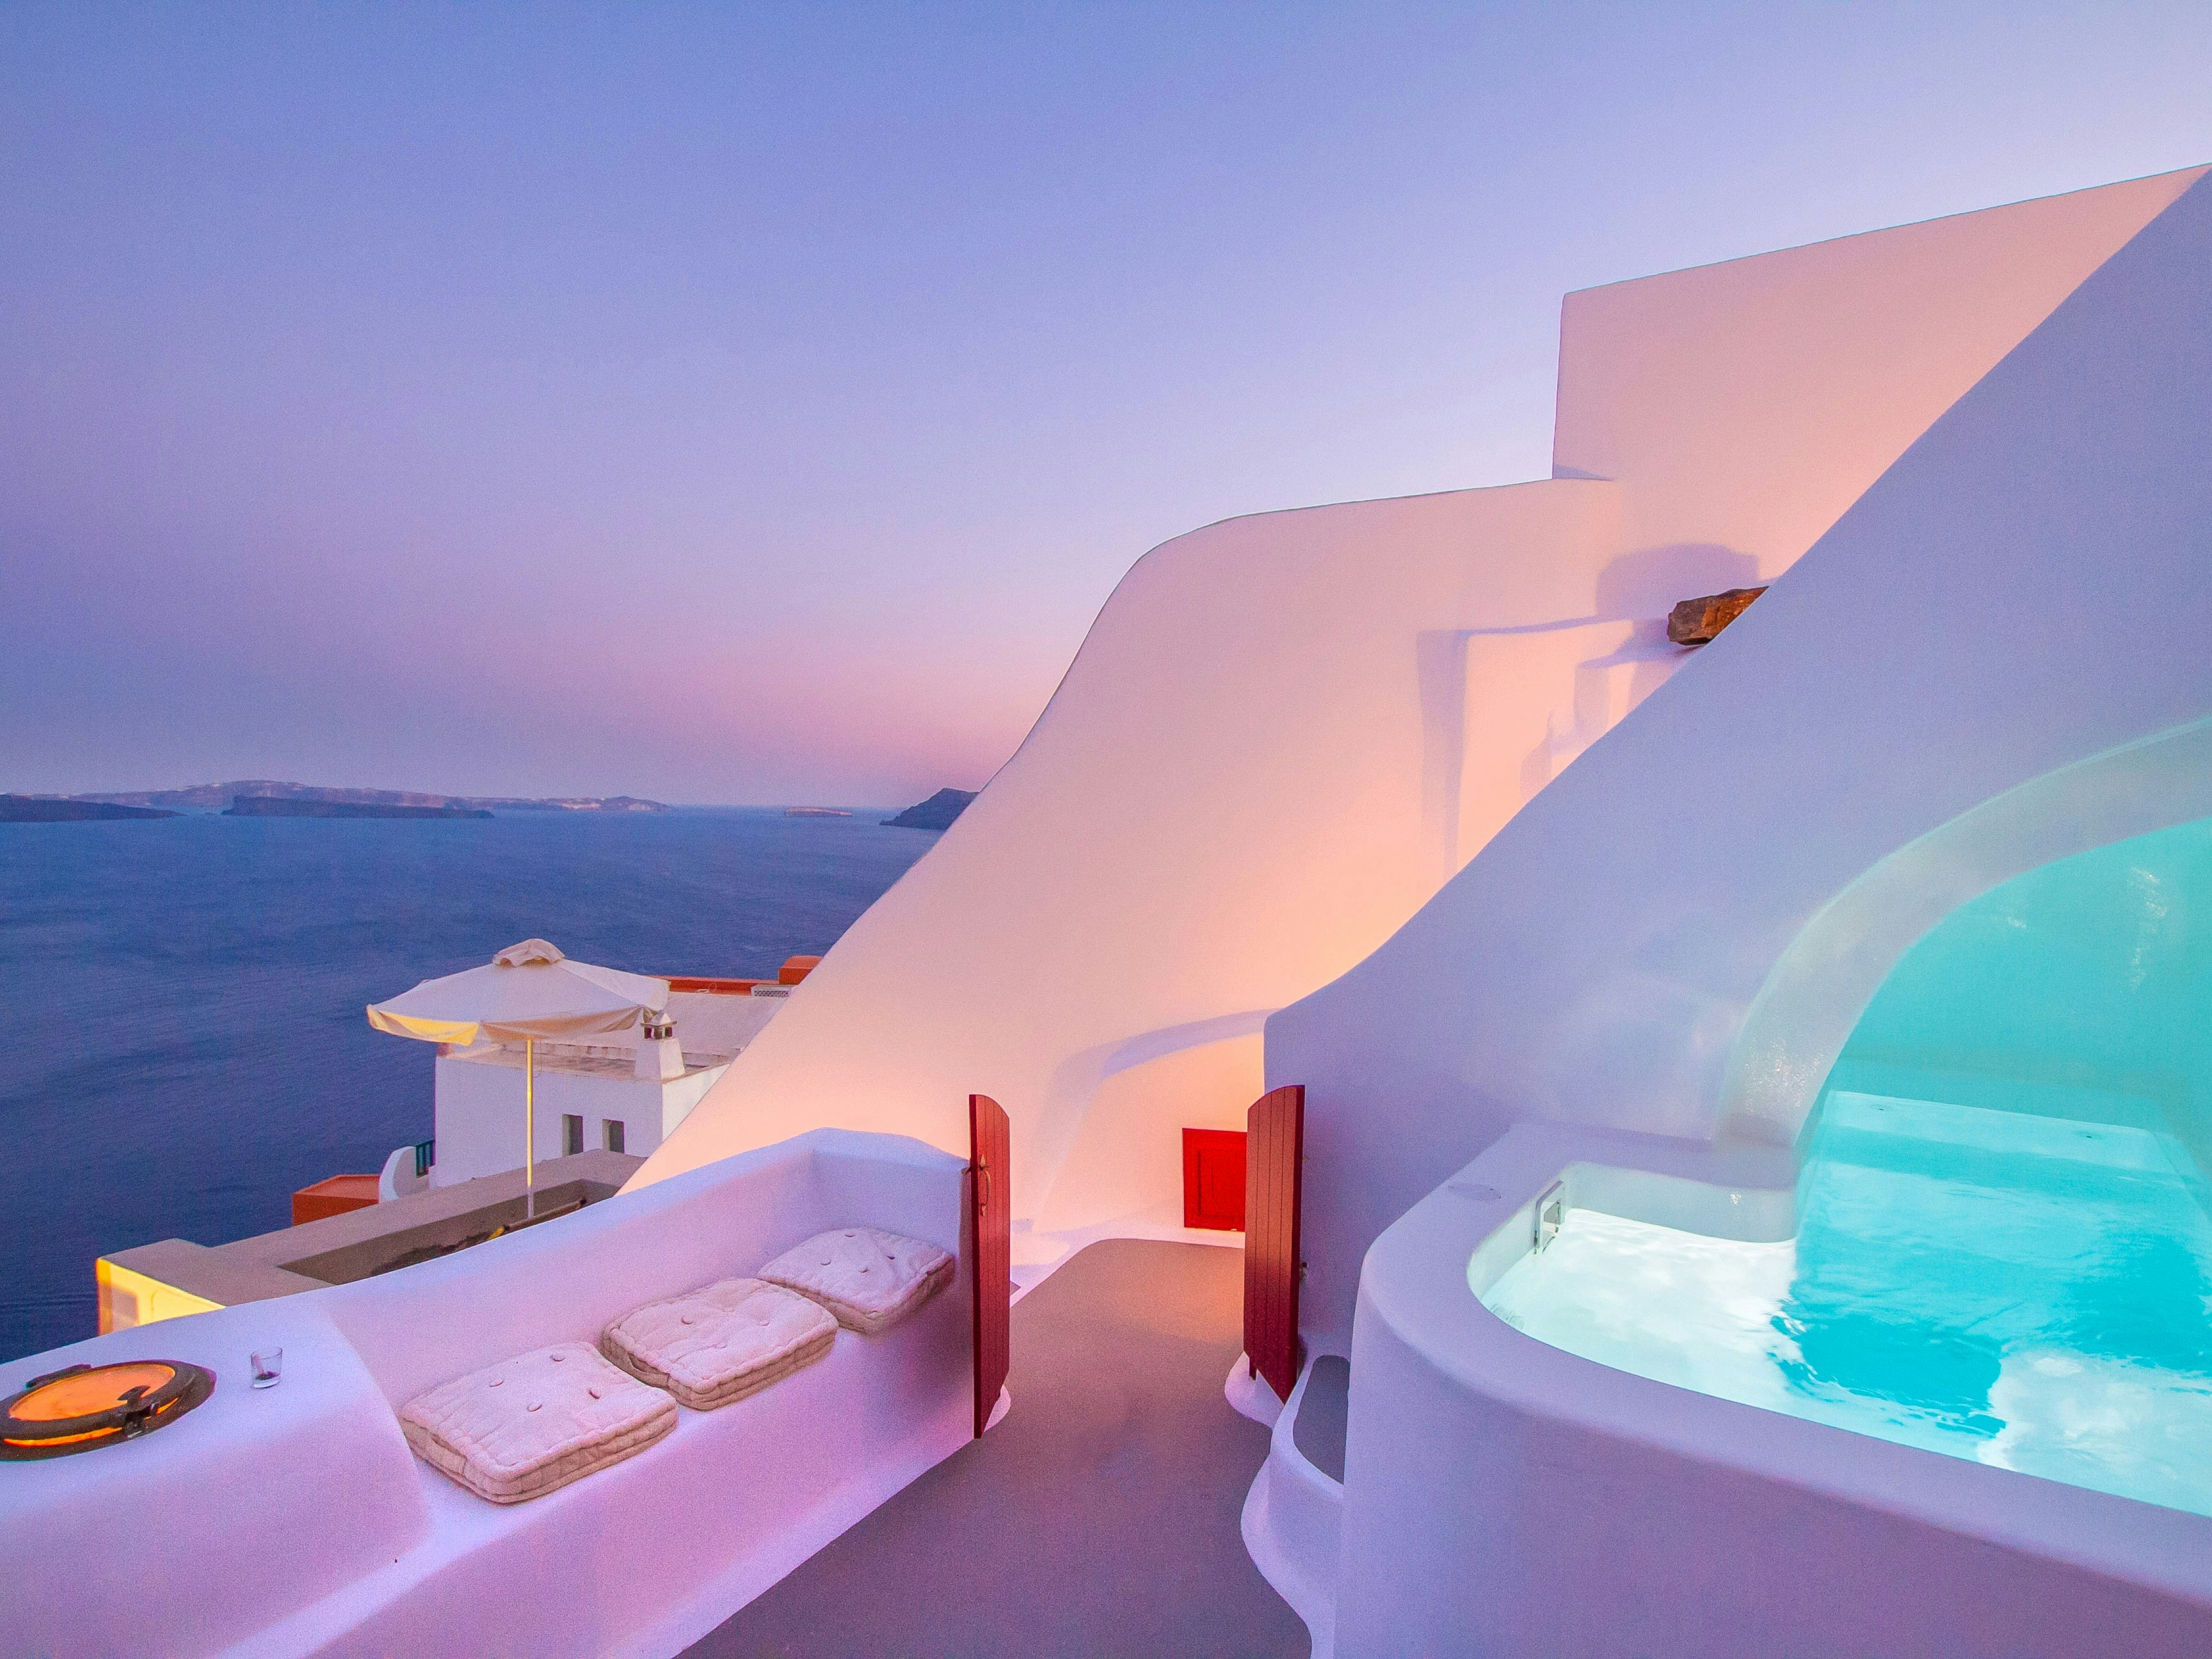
(282, 806)
(210, 796)
(935, 813)
(46, 809)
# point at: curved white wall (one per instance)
(2025, 587)
(1252, 774)
(1285, 732)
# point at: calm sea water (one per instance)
(182, 1041)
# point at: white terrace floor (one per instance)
(1100, 1517)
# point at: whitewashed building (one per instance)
(623, 1092)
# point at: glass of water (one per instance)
(268, 1367)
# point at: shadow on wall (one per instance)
(1570, 681)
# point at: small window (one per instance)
(613, 1129)
(572, 1134)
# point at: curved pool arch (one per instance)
(1824, 981)
(2002, 1243)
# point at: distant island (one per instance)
(54, 809)
(815, 813)
(935, 813)
(293, 807)
(220, 797)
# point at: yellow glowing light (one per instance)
(128, 1298)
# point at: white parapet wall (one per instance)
(1285, 733)
(314, 1529)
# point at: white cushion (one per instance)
(868, 1277)
(714, 1345)
(531, 1424)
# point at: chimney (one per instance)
(659, 1055)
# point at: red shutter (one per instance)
(1275, 1164)
(991, 1213)
(1213, 1179)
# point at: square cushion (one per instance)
(868, 1277)
(531, 1424)
(714, 1345)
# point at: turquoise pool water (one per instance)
(2027, 1290)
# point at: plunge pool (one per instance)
(2030, 1291)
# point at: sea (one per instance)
(182, 1037)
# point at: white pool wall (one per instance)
(1505, 1498)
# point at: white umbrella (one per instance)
(527, 991)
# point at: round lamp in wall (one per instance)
(88, 1407)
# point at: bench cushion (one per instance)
(531, 1424)
(870, 1279)
(713, 1345)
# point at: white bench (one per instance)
(305, 1525)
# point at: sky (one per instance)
(756, 404)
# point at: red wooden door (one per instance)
(1213, 1179)
(991, 1213)
(1274, 1152)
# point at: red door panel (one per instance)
(990, 1229)
(1274, 1183)
(1213, 1179)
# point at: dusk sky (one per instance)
(756, 404)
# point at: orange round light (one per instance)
(88, 1391)
(86, 1407)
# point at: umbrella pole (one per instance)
(529, 1128)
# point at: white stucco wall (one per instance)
(1285, 733)
(1749, 403)
(479, 1116)
(2024, 589)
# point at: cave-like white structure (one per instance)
(1994, 658)
(1323, 801)
(1286, 733)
